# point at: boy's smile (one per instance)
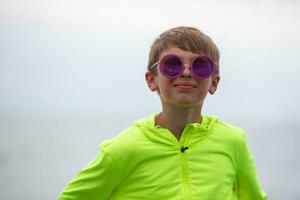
(185, 85)
(185, 90)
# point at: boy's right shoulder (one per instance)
(124, 139)
(129, 139)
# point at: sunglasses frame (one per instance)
(182, 64)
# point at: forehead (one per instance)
(182, 53)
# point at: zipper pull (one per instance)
(183, 149)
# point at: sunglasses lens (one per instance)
(203, 67)
(171, 66)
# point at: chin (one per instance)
(186, 104)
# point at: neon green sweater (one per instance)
(211, 161)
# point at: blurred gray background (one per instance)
(72, 75)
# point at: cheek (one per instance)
(164, 87)
(204, 84)
(163, 83)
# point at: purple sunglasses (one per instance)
(171, 66)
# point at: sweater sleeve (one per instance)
(249, 187)
(95, 181)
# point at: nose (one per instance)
(187, 70)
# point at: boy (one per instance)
(179, 153)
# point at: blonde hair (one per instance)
(186, 38)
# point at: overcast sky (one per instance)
(85, 60)
(65, 56)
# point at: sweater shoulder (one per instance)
(229, 131)
(124, 141)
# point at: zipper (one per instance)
(183, 150)
(182, 146)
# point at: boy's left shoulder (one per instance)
(227, 130)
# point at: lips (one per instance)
(185, 85)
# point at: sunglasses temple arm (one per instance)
(153, 65)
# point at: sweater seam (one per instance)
(113, 165)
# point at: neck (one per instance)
(175, 119)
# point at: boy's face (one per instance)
(185, 90)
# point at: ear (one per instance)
(150, 79)
(214, 84)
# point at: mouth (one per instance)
(185, 85)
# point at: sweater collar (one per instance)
(195, 131)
